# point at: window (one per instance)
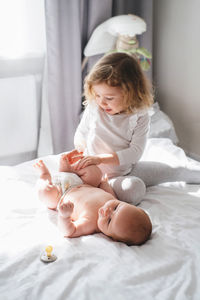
(22, 28)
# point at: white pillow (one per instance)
(161, 126)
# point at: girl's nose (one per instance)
(102, 101)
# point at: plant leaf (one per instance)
(144, 64)
(123, 50)
(132, 42)
(133, 50)
(112, 51)
(144, 52)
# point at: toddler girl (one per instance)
(115, 123)
(114, 128)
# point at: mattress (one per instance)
(94, 267)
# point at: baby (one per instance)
(88, 205)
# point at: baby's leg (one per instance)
(43, 170)
(64, 164)
(48, 193)
(91, 175)
(105, 185)
(153, 173)
(128, 188)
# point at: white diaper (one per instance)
(66, 180)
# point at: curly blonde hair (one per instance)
(124, 71)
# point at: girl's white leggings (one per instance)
(132, 188)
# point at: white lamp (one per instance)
(118, 34)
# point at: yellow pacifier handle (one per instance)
(48, 250)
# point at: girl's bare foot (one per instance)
(44, 172)
(64, 164)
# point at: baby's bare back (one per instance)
(87, 200)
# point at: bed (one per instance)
(94, 267)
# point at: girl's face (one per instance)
(109, 98)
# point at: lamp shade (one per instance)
(103, 38)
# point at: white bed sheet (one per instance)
(94, 267)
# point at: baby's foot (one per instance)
(66, 209)
(44, 172)
(64, 164)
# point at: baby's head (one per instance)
(124, 71)
(124, 222)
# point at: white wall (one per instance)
(177, 67)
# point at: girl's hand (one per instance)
(87, 161)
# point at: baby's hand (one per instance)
(66, 209)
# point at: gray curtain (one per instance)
(69, 24)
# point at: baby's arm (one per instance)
(71, 228)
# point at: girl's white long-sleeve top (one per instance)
(125, 134)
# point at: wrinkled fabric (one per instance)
(94, 267)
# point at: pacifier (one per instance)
(47, 256)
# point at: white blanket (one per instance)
(94, 267)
